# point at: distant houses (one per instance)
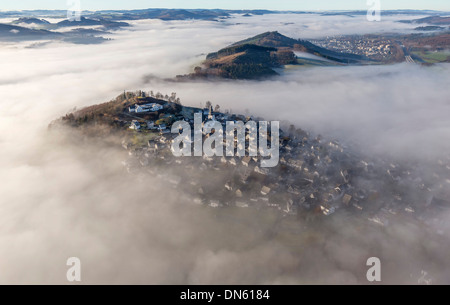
(135, 125)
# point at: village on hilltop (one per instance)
(315, 176)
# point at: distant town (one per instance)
(376, 48)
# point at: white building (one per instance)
(135, 125)
(265, 190)
(153, 107)
(326, 210)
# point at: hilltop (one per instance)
(18, 33)
(279, 41)
(247, 61)
(433, 20)
(31, 20)
(316, 177)
(106, 24)
(85, 31)
(259, 57)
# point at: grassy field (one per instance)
(434, 57)
(309, 62)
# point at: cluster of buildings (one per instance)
(375, 48)
(314, 177)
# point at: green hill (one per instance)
(259, 56)
(277, 40)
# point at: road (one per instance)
(409, 59)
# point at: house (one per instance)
(229, 186)
(141, 109)
(334, 145)
(153, 107)
(265, 190)
(290, 209)
(135, 125)
(246, 161)
(409, 209)
(156, 107)
(245, 174)
(293, 190)
(262, 171)
(327, 210)
(150, 125)
(358, 207)
(240, 147)
(345, 175)
(379, 220)
(346, 199)
(208, 159)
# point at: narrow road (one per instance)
(409, 59)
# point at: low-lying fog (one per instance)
(63, 200)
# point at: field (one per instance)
(434, 57)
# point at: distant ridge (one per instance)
(30, 20)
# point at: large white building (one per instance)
(153, 107)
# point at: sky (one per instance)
(226, 4)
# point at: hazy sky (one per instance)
(229, 4)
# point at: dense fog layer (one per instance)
(63, 198)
